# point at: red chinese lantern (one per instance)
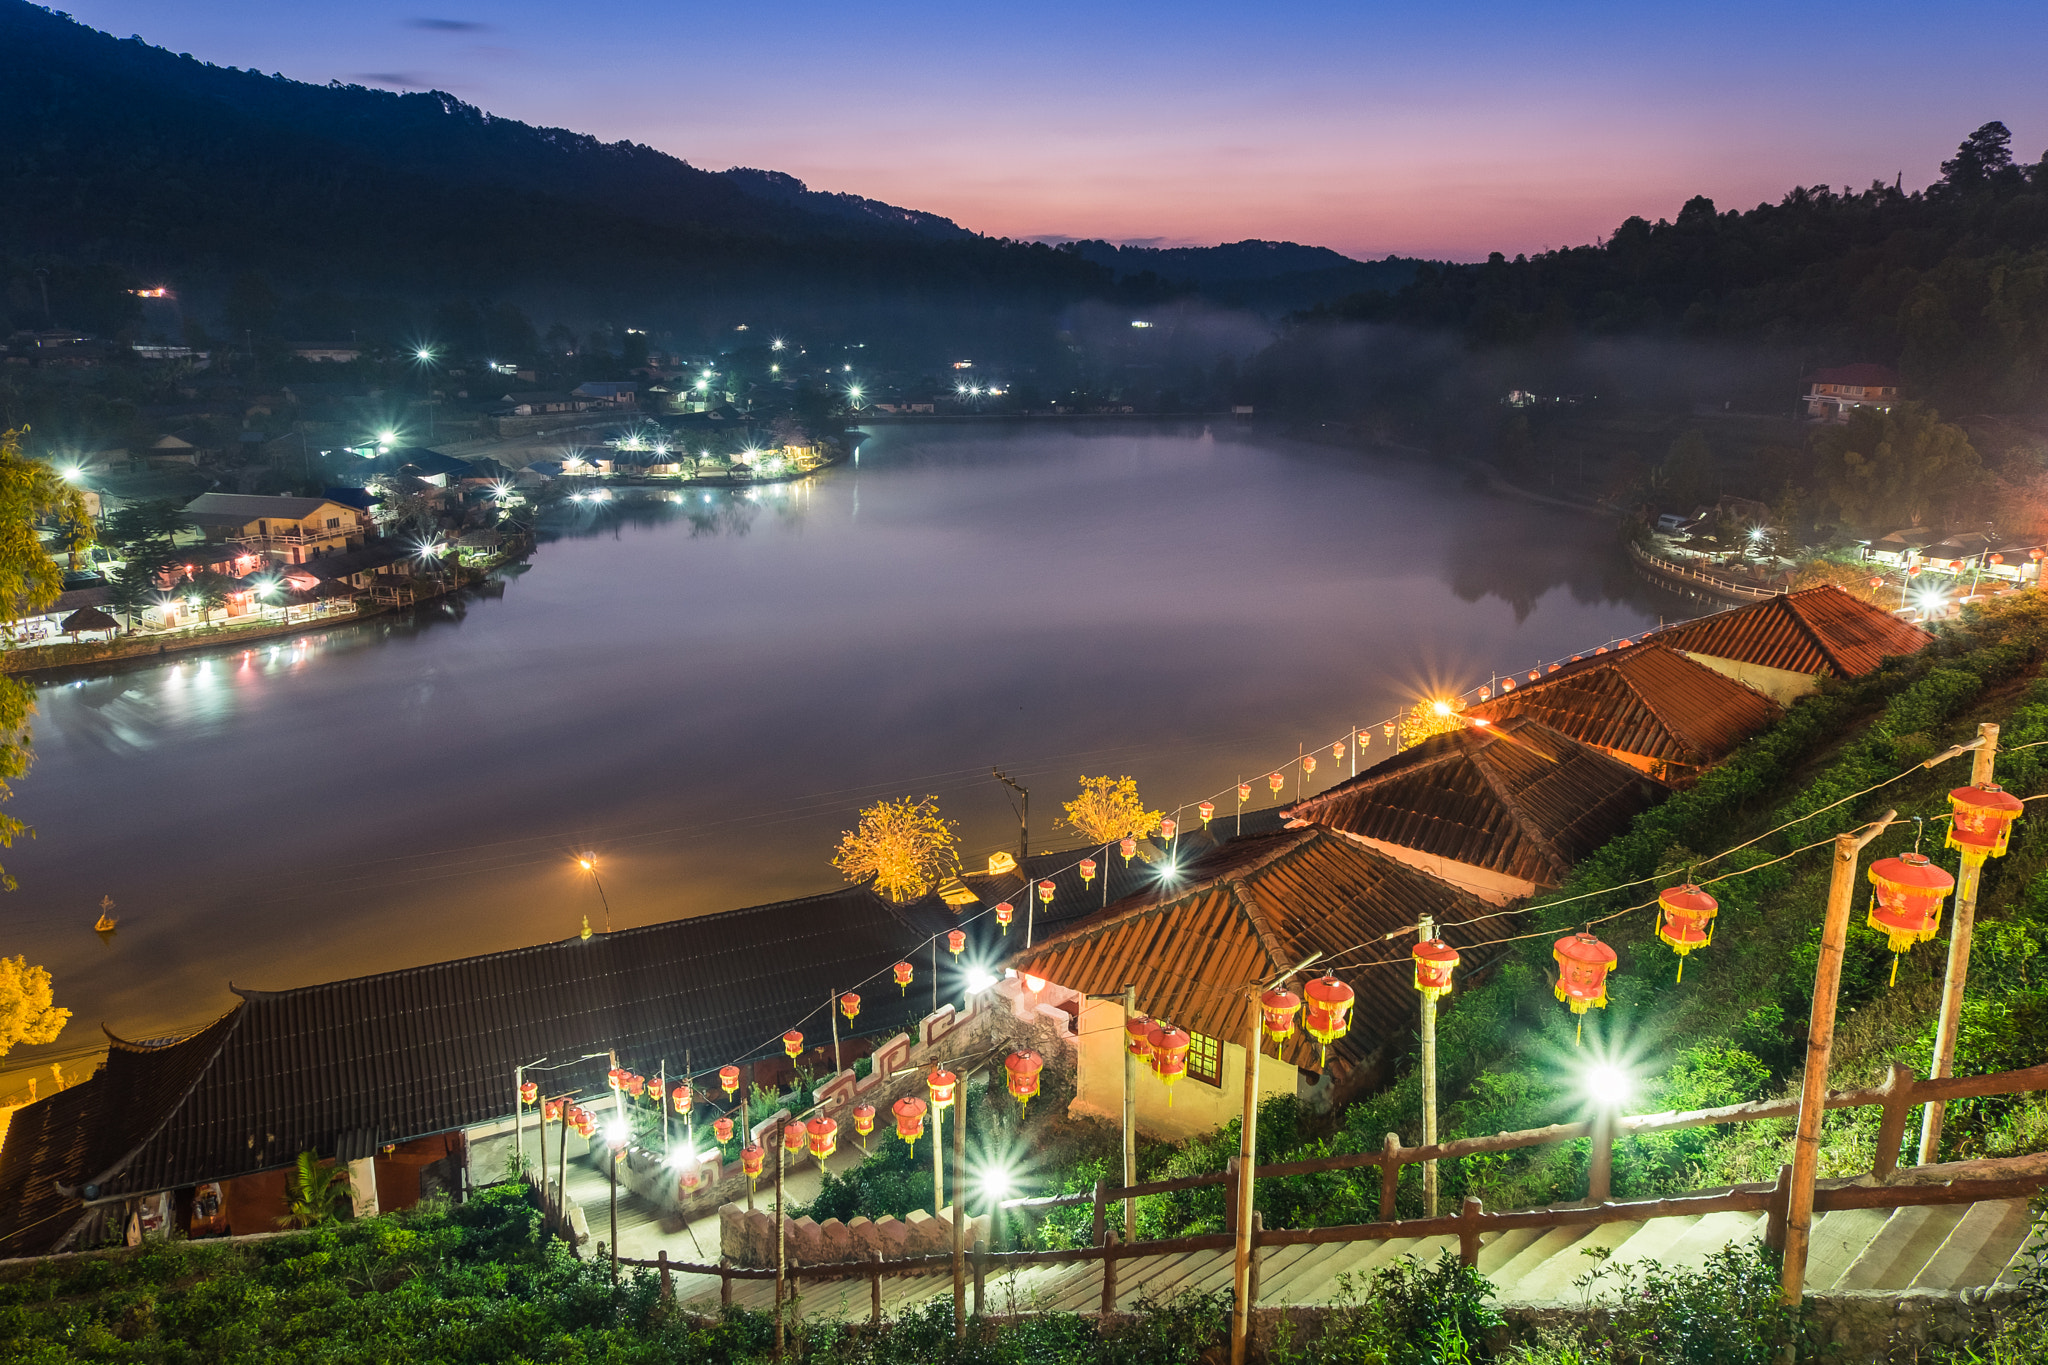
(751, 1159)
(635, 1084)
(1913, 571)
(1244, 792)
(909, 1112)
(1087, 872)
(1686, 920)
(824, 1136)
(956, 941)
(1308, 765)
(1169, 1056)
(903, 976)
(657, 1090)
(1877, 582)
(721, 1128)
(1045, 890)
(1337, 752)
(683, 1097)
(616, 1078)
(1034, 984)
(583, 1124)
(1907, 906)
(551, 1111)
(1434, 962)
(1486, 694)
(1128, 847)
(1279, 1007)
(1582, 966)
(863, 1122)
(1982, 821)
(849, 1005)
(690, 1181)
(1138, 1038)
(942, 1084)
(1005, 912)
(1326, 1012)
(1023, 1069)
(1507, 685)
(1997, 558)
(793, 1043)
(792, 1138)
(1389, 728)
(1207, 810)
(728, 1079)
(528, 1092)
(1276, 782)
(1167, 829)
(1534, 674)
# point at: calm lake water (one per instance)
(705, 695)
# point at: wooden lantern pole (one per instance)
(1820, 1041)
(1130, 1116)
(1961, 930)
(960, 1217)
(1241, 1260)
(1425, 930)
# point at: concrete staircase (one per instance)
(1933, 1247)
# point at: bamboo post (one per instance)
(781, 1236)
(1961, 930)
(519, 1124)
(617, 1154)
(1425, 930)
(1390, 1177)
(960, 1221)
(1600, 1166)
(939, 1159)
(1247, 1161)
(1109, 1272)
(1891, 1129)
(562, 1179)
(1820, 1041)
(832, 1013)
(1130, 1102)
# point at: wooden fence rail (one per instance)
(1900, 1093)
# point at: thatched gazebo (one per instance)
(88, 618)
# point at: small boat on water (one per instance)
(106, 923)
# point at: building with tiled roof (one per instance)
(1250, 911)
(1647, 705)
(352, 1068)
(1502, 811)
(1783, 646)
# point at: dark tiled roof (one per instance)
(238, 509)
(1816, 630)
(1646, 700)
(1516, 798)
(344, 1067)
(1866, 374)
(1251, 910)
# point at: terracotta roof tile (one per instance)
(1815, 630)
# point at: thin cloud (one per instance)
(405, 80)
(448, 25)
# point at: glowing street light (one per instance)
(588, 862)
(1607, 1085)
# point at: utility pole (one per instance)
(939, 1157)
(960, 1219)
(1130, 1115)
(1247, 1145)
(781, 1233)
(1820, 1042)
(1425, 930)
(1023, 821)
(1960, 931)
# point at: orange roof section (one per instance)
(1647, 700)
(1815, 631)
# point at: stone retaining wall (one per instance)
(748, 1239)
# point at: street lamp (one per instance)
(588, 862)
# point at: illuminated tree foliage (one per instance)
(27, 1013)
(1427, 718)
(30, 493)
(1108, 809)
(904, 845)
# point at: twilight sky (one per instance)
(1446, 129)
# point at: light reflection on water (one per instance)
(705, 690)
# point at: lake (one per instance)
(705, 694)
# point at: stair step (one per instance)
(1708, 1235)
(1980, 1245)
(1278, 1286)
(1653, 1240)
(1837, 1239)
(1500, 1250)
(1507, 1277)
(1908, 1239)
(2022, 1261)
(1551, 1281)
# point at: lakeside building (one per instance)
(1248, 911)
(1784, 645)
(392, 1073)
(1647, 705)
(1499, 811)
(285, 530)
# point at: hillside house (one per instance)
(1831, 395)
(1783, 646)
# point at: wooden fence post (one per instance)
(1468, 1230)
(1109, 1273)
(1230, 1169)
(1600, 1164)
(980, 1280)
(1891, 1129)
(1390, 1177)
(874, 1287)
(1774, 1220)
(668, 1288)
(1251, 1299)
(1101, 1218)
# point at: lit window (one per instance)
(1205, 1059)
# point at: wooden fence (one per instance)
(1900, 1093)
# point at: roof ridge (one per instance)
(1648, 702)
(1785, 603)
(233, 1018)
(1255, 914)
(1524, 820)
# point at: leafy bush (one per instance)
(1409, 1313)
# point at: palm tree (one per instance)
(316, 1192)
